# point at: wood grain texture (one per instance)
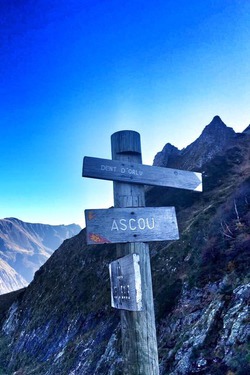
(138, 327)
(131, 172)
(121, 225)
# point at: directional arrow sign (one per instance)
(125, 277)
(119, 225)
(115, 170)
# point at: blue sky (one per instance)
(74, 72)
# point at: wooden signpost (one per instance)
(131, 225)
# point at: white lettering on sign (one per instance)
(130, 224)
(108, 168)
(114, 226)
(123, 170)
(133, 224)
(131, 171)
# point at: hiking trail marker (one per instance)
(131, 225)
(125, 277)
(114, 170)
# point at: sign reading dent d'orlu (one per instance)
(135, 173)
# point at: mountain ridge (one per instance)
(24, 247)
(215, 138)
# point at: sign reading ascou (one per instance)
(141, 224)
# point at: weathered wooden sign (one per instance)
(115, 170)
(141, 224)
(125, 277)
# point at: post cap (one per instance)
(126, 142)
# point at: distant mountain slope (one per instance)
(24, 247)
(63, 323)
(9, 279)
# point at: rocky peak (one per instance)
(215, 139)
(247, 130)
(162, 158)
(217, 130)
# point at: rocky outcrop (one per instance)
(214, 140)
(207, 327)
(163, 158)
(247, 130)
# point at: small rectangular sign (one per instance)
(116, 170)
(125, 277)
(140, 224)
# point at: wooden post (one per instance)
(139, 344)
